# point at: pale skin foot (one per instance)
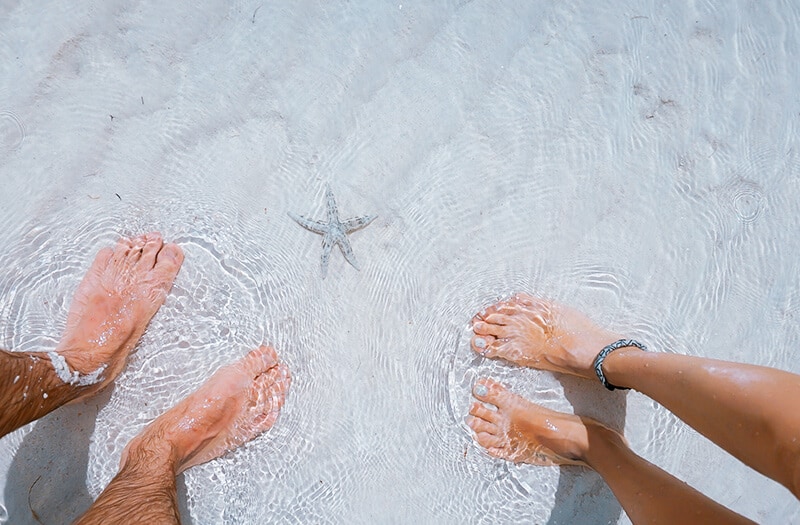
(117, 297)
(524, 432)
(239, 402)
(540, 334)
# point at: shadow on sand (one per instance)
(46, 482)
(581, 495)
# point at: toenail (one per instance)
(480, 342)
(481, 390)
(170, 252)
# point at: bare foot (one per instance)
(539, 334)
(116, 299)
(524, 432)
(236, 404)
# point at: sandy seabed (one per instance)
(637, 160)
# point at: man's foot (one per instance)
(539, 334)
(116, 299)
(236, 404)
(524, 432)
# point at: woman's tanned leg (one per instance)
(524, 432)
(752, 412)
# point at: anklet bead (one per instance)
(598, 361)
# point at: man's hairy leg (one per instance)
(116, 299)
(30, 388)
(239, 402)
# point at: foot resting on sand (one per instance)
(539, 334)
(236, 404)
(524, 432)
(119, 295)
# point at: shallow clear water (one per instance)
(637, 160)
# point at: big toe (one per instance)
(169, 259)
(258, 361)
(102, 259)
(490, 391)
(483, 344)
(270, 388)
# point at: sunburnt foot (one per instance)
(524, 432)
(540, 334)
(120, 293)
(239, 402)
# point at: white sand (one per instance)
(638, 160)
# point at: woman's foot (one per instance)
(236, 404)
(116, 299)
(524, 432)
(539, 334)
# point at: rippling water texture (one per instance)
(637, 160)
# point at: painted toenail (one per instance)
(480, 342)
(481, 390)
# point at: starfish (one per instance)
(334, 231)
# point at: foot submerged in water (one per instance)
(535, 333)
(117, 297)
(236, 404)
(524, 432)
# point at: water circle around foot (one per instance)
(466, 367)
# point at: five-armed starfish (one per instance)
(334, 231)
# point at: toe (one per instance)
(490, 391)
(102, 258)
(137, 248)
(525, 299)
(483, 344)
(259, 361)
(271, 388)
(152, 245)
(484, 328)
(479, 410)
(138, 242)
(169, 258)
(487, 440)
(480, 425)
(500, 318)
(121, 250)
(496, 307)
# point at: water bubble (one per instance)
(12, 133)
(748, 203)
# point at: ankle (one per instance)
(602, 442)
(151, 453)
(71, 368)
(618, 363)
(579, 354)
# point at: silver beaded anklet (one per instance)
(598, 361)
